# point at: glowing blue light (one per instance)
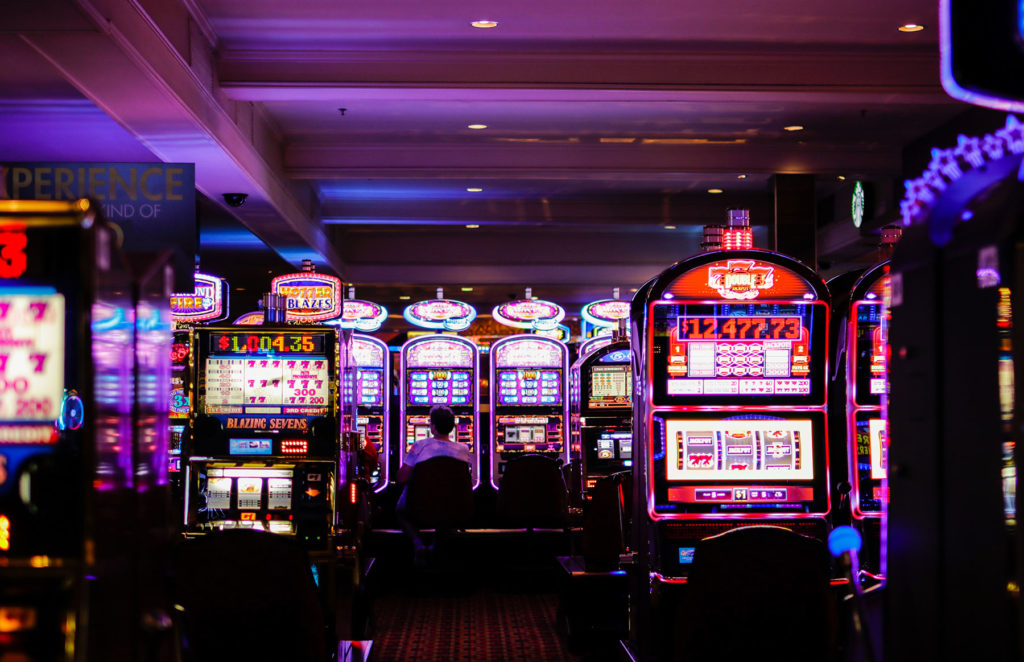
(967, 215)
(844, 539)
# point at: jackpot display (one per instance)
(440, 369)
(267, 394)
(601, 412)
(529, 409)
(371, 396)
(732, 422)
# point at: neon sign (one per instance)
(309, 297)
(361, 315)
(446, 314)
(205, 303)
(254, 318)
(740, 279)
(13, 260)
(529, 314)
(606, 312)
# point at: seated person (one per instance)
(438, 444)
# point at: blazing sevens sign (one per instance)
(309, 297)
(204, 304)
(529, 314)
(362, 315)
(741, 279)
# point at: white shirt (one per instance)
(428, 448)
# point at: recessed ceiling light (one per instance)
(632, 289)
(910, 27)
(714, 190)
(841, 178)
(466, 289)
(474, 189)
(670, 227)
(484, 23)
(404, 297)
(741, 176)
(472, 226)
(477, 126)
(793, 127)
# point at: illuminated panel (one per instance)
(439, 387)
(528, 434)
(260, 385)
(524, 386)
(740, 280)
(369, 357)
(734, 351)
(734, 239)
(250, 446)
(440, 353)
(739, 450)
(528, 352)
(250, 493)
(309, 296)
(268, 343)
(611, 385)
(294, 446)
(870, 353)
(876, 432)
(31, 361)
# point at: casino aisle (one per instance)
(492, 597)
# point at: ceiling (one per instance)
(347, 125)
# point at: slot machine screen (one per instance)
(529, 387)
(610, 386)
(442, 386)
(369, 360)
(282, 374)
(742, 463)
(614, 445)
(738, 353)
(869, 361)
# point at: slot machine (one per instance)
(263, 451)
(82, 435)
(441, 370)
(730, 419)
(529, 403)
(866, 384)
(372, 398)
(601, 412)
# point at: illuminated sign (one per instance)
(31, 356)
(606, 312)
(309, 297)
(361, 315)
(529, 314)
(857, 204)
(267, 343)
(13, 260)
(204, 303)
(254, 318)
(561, 332)
(446, 314)
(529, 351)
(740, 279)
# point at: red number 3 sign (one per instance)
(13, 260)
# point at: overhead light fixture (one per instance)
(670, 227)
(715, 190)
(910, 27)
(466, 289)
(484, 23)
(841, 178)
(793, 127)
(472, 226)
(476, 126)
(474, 189)
(741, 176)
(404, 297)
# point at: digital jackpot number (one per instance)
(740, 328)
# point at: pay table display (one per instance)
(440, 387)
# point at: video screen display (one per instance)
(611, 385)
(267, 343)
(250, 447)
(267, 385)
(528, 434)
(711, 353)
(743, 449)
(369, 387)
(529, 387)
(614, 445)
(869, 359)
(439, 387)
(32, 362)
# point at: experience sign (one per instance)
(309, 297)
(444, 314)
(529, 314)
(31, 360)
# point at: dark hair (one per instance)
(442, 419)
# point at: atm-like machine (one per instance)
(440, 369)
(529, 400)
(372, 390)
(84, 382)
(601, 412)
(263, 446)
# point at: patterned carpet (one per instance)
(484, 626)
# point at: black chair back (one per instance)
(533, 494)
(440, 494)
(758, 592)
(606, 522)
